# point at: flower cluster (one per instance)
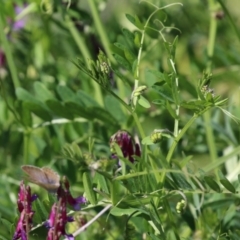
(127, 144)
(64, 192)
(24, 203)
(58, 218)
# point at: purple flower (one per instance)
(58, 217)
(18, 25)
(74, 202)
(126, 143)
(57, 220)
(24, 203)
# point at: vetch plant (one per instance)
(166, 175)
(58, 218)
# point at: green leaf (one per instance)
(147, 141)
(79, 111)
(128, 34)
(137, 39)
(42, 93)
(196, 105)
(124, 79)
(86, 99)
(113, 106)
(7, 225)
(88, 188)
(152, 32)
(24, 113)
(143, 102)
(135, 21)
(170, 110)
(118, 212)
(41, 211)
(39, 110)
(155, 217)
(164, 91)
(197, 182)
(212, 183)
(226, 183)
(120, 46)
(160, 76)
(122, 61)
(115, 192)
(181, 181)
(102, 183)
(58, 109)
(104, 116)
(33, 104)
(134, 201)
(65, 93)
(129, 56)
(24, 95)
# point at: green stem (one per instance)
(78, 39)
(207, 115)
(86, 55)
(7, 51)
(100, 29)
(176, 121)
(212, 36)
(179, 136)
(234, 24)
(139, 126)
(26, 140)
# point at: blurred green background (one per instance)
(37, 55)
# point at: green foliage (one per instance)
(168, 75)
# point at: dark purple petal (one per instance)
(126, 143)
(70, 219)
(2, 59)
(75, 202)
(69, 236)
(34, 197)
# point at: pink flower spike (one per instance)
(24, 203)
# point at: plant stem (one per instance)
(86, 55)
(176, 121)
(207, 115)
(26, 140)
(100, 29)
(7, 51)
(91, 221)
(179, 136)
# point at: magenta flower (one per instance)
(127, 145)
(24, 203)
(58, 217)
(57, 220)
(74, 202)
